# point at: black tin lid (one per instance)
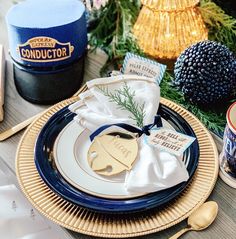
(49, 85)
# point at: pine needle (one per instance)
(124, 98)
(213, 121)
(113, 32)
(222, 27)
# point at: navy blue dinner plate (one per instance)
(49, 173)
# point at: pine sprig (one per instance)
(113, 32)
(221, 26)
(212, 120)
(124, 98)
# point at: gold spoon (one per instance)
(200, 219)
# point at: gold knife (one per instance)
(2, 79)
(17, 128)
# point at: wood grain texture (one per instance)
(17, 110)
(2, 80)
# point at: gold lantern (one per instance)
(165, 28)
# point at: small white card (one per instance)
(137, 65)
(169, 140)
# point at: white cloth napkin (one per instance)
(153, 170)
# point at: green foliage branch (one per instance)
(221, 26)
(125, 100)
(113, 34)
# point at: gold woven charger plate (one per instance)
(88, 222)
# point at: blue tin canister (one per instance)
(229, 149)
(47, 40)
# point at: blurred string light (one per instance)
(164, 28)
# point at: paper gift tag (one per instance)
(137, 65)
(112, 154)
(169, 140)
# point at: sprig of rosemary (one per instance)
(124, 98)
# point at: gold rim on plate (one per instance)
(91, 223)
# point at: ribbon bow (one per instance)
(145, 130)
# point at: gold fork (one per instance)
(17, 128)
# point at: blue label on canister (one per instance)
(230, 139)
(230, 144)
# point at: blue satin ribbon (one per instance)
(145, 130)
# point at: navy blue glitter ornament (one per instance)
(206, 73)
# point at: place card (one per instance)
(169, 140)
(141, 66)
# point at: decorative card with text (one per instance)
(169, 140)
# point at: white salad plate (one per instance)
(70, 156)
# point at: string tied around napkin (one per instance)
(145, 129)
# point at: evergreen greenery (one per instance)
(113, 33)
(124, 98)
(212, 120)
(222, 27)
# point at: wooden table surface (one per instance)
(17, 110)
